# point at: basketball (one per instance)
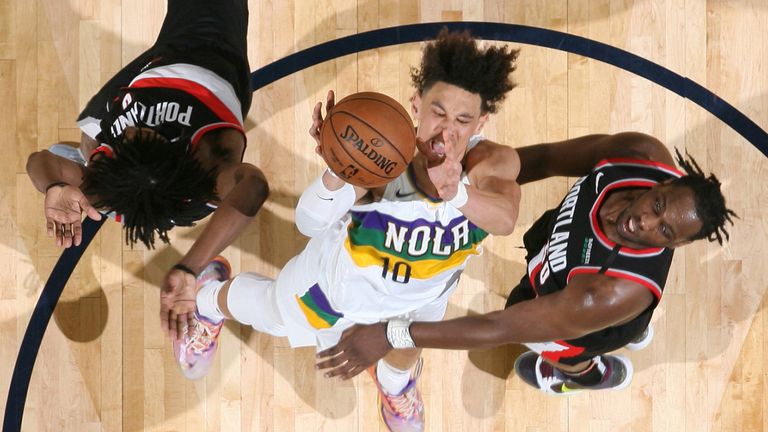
(368, 139)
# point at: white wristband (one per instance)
(399, 334)
(461, 197)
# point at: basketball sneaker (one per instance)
(641, 341)
(532, 369)
(402, 412)
(195, 350)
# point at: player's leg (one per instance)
(396, 375)
(394, 370)
(565, 367)
(213, 35)
(554, 368)
(248, 298)
(193, 21)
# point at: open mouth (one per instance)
(627, 228)
(437, 147)
(433, 148)
(630, 225)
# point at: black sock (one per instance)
(590, 376)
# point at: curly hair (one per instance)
(708, 199)
(455, 58)
(154, 183)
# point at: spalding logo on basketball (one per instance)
(368, 139)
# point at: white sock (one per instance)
(392, 380)
(207, 301)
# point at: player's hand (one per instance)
(317, 118)
(64, 206)
(444, 165)
(360, 346)
(177, 302)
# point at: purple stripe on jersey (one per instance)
(379, 221)
(321, 301)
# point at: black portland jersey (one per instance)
(175, 100)
(574, 243)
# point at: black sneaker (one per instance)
(532, 369)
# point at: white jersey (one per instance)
(382, 260)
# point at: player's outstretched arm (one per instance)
(329, 197)
(59, 179)
(244, 191)
(493, 196)
(589, 303)
(576, 157)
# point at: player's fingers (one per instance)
(173, 325)
(347, 371)
(447, 138)
(165, 317)
(317, 122)
(331, 362)
(330, 101)
(330, 352)
(90, 210)
(450, 137)
(67, 233)
(317, 116)
(164, 320)
(352, 372)
(77, 233)
(181, 324)
(50, 227)
(58, 231)
(337, 371)
(190, 321)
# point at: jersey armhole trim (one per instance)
(652, 286)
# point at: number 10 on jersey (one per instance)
(401, 271)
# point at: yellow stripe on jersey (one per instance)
(365, 256)
(312, 317)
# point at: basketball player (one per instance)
(393, 251)
(597, 265)
(162, 145)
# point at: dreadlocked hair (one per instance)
(709, 200)
(456, 59)
(155, 184)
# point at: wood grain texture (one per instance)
(105, 366)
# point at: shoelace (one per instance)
(201, 338)
(404, 405)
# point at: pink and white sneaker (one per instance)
(195, 350)
(402, 412)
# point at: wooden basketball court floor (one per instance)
(105, 365)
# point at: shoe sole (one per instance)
(630, 373)
(644, 343)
